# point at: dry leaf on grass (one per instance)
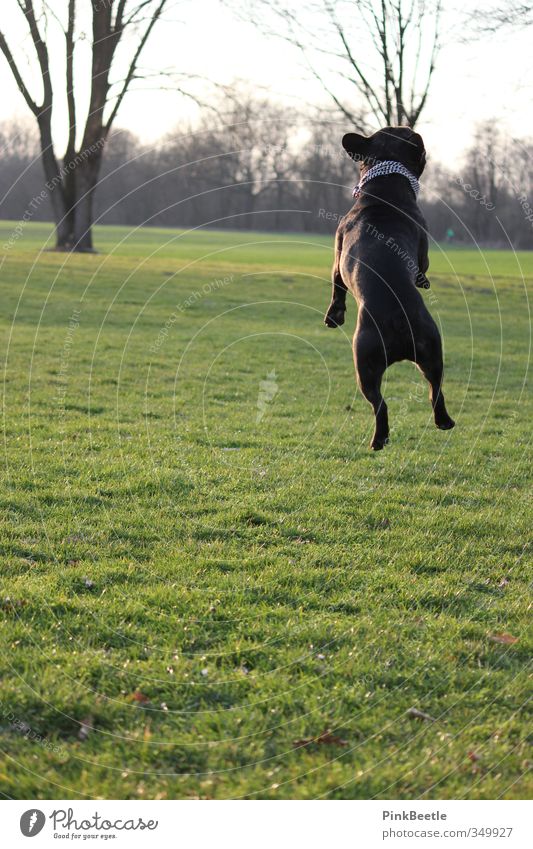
(140, 698)
(414, 713)
(506, 639)
(324, 739)
(477, 764)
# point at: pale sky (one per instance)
(489, 78)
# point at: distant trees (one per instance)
(505, 13)
(488, 198)
(260, 169)
(70, 182)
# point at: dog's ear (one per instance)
(355, 145)
(420, 163)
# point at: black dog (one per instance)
(381, 256)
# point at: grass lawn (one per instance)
(210, 586)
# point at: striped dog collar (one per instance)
(388, 167)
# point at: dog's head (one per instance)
(398, 144)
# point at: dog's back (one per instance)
(379, 262)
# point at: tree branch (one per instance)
(434, 51)
(133, 65)
(71, 102)
(42, 54)
(369, 93)
(4, 47)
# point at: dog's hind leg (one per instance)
(369, 368)
(335, 314)
(433, 372)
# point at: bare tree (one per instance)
(380, 53)
(72, 182)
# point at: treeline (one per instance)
(261, 168)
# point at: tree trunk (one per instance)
(64, 233)
(86, 182)
(71, 196)
(65, 227)
(63, 214)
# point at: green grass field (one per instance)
(203, 565)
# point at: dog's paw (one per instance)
(378, 444)
(334, 317)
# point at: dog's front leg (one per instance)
(335, 314)
(423, 258)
